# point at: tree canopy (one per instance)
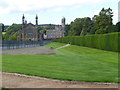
(12, 32)
(99, 24)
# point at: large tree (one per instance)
(87, 26)
(81, 26)
(67, 29)
(103, 20)
(76, 27)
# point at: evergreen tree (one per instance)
(76, 27)
(87, 26)
(103, 20)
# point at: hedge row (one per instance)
(101, 41)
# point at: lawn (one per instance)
(71, 63)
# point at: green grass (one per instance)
(71, 63)
(3, 33)
(55, 45)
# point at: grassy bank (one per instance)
(71, 63)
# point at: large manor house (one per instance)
(30, 31)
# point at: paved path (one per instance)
(63, 46)
(13, 80)
(29, 51)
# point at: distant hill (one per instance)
(46, 24)
(6, 26)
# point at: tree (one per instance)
(11, 30)
(103, 20)
(111, 28)
(101, 31)
(76, 27)
(14, 36)
(87, 26)
(67, 29)
(81, 26)
(99, 24)
(118, 27)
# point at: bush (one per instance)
(100, 41)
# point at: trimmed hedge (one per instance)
(99, 41)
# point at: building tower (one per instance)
(29, 31)
(63, 22)
(22, 30)
(37, 32)
(63, 26)
(23, 19)
(36, 20)
(119, 11)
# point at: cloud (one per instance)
(10, 6)
(115, 17)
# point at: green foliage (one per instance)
(101, 31)
(12, 32)
(102, 41)
(87, 26)
(118, 27)
(75, 27)
(81, 26)
(104, 18)
(5, 89)
(43, 31)
(103, 21)
(67, 28)
(14, 36)
(3, 35)
(100, 24)
(112, 28)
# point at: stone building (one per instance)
(57, 32)
(29, 31)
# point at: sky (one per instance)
(52, 11)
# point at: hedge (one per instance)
(99, 41)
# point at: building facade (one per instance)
(119, 11)
(29, 31)
(57, 32)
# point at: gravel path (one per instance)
(29, 51)
(13, 80)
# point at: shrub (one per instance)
(100, 41)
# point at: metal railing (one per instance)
(22, 44)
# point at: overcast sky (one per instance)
(51, 11)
